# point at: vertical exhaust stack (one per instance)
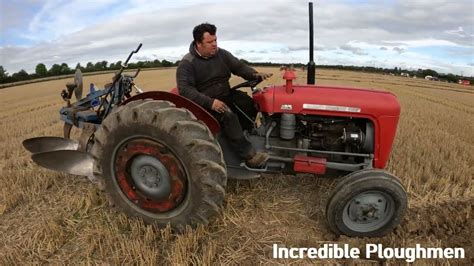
(311, 65)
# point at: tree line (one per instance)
(42, 71)
(396, 71)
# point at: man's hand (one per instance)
(219, 106)
(263, 76)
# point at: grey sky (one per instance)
(412, 34)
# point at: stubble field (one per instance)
(50, 217)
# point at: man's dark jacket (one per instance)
(204, 79)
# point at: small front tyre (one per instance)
(369, 203)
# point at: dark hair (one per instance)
(199, 30)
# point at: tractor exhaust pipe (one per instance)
(311, 65)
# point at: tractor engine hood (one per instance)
(325, 100)
(382, 108)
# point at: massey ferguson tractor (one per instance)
(163, 158)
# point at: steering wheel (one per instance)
(249, 83)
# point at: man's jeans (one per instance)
(232, 122)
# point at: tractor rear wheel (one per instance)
(368, 203)
(160, 163)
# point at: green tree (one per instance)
(451, 78)
(20, 75)
(89, 67)
(397, 70)
(3, 75)
(118, 64)
(101, 65)
(55, 70)
(65, 69)
(156, 63)
(140, 64)
(97, 66)
(429, 72)
(166, 63)
(41, 70)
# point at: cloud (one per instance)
(422, 43)
(60, 17)
(354, 50)
(458, 32)
(293, 48)
(56, 31)
(398, 50)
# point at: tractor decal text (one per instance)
(331, 108)
(286, 107)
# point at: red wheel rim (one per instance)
(124, 157)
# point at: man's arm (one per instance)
(239, 68)
(187, 85)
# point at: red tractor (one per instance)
(161, 157)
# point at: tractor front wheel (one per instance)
(368, 203)
(159, 163)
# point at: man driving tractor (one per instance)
(203, 77)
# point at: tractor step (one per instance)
(46, 144)
(67, 161)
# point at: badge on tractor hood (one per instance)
(286, 107)
(331, 108)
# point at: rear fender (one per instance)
(180, 102)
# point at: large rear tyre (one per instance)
(159, 163)
(369, 203)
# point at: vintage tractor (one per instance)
(161, 157)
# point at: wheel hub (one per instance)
(368, 211)
(363, 208)
(150, 175)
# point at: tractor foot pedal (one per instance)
(267, 167)
(254, 169)
(46, 144)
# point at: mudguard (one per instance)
(180, 102)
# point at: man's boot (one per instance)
(258, 160)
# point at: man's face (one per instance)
(208, 46)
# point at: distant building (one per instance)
(464, 82)
(431, 78)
